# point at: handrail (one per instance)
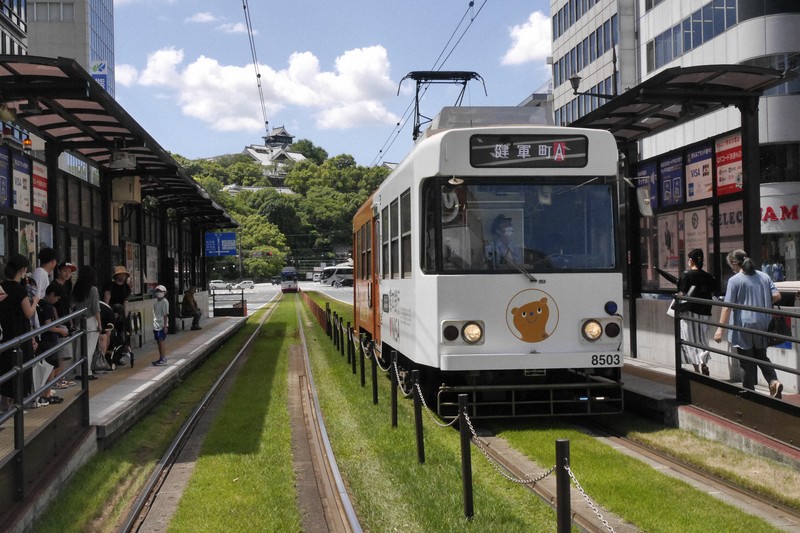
(682, 315)
(17, 373)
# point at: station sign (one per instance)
(220, 243)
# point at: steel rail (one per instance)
(343, 501)
(148, 493)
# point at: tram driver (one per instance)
(502, 251)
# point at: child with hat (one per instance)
(160, 322)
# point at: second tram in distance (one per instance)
(487, 260)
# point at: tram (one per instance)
(289, 280)
(487, 260)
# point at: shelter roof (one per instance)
(57, 100)
(676, 95)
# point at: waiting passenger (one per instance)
(190, 308)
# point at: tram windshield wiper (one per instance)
(518, 267)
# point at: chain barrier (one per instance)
(378, 362)
(498, 467)
(405, 392)
(429, 411)
(592, 506)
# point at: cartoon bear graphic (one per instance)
(531, 320)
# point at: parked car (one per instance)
(276, 280)
(218, 284)
(245, 284)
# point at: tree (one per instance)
(309, 151)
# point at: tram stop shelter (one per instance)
(56, 100)
(672, 97)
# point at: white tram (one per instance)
(487, 259)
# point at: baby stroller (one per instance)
(119, 347)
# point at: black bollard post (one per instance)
(348, 337)
(374, 377)
(466, 457)
(395, 378)
(351, 345)
(342, 337)
(418, 417)
(361, 359)
(563, 511)
(328, 320)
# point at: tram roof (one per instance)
(57, 100)
(677, 95)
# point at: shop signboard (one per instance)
(646, 177)
(698, 174)
(21, 172)
(5, 178)
(39, 189)
(728, 152)
(671, 170)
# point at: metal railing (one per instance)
(23, 399)
(726, 396)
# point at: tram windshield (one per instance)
(488, 225)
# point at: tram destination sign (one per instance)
(528, 151)
(220, 243)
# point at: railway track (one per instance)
(324, 501)
(512, 463)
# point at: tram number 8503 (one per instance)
(605, 360)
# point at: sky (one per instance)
(329, 71)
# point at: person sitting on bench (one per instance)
(190, 308)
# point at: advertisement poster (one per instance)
(671, 180)
(151, 270)
(5, 178)
(646, 177)
(695, 227)
(698, 174)
(27, 239)
(39, 189)
(45, 235)
(668, 243)
(21, 173)
(132, 265)
(728, 152)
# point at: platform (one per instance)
(117, 399)
(650, 391)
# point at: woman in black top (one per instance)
(16, 311)
(705, 286)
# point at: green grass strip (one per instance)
(243, 479)
(391, 491)
(628, 487)
(99, 493)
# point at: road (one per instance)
(262, 293)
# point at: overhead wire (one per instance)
(250, 36)
(407, 114)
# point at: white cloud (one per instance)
(125, 75)
(226, 96)
(531, 41)
(235, 27)
(205, 16)
(162, 67)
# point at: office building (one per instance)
(82, 30)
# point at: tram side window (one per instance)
(405, 233)
(385, 242)
(394, 231)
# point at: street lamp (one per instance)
(575, 81)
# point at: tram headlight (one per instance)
(472, 333)
(592, 330)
